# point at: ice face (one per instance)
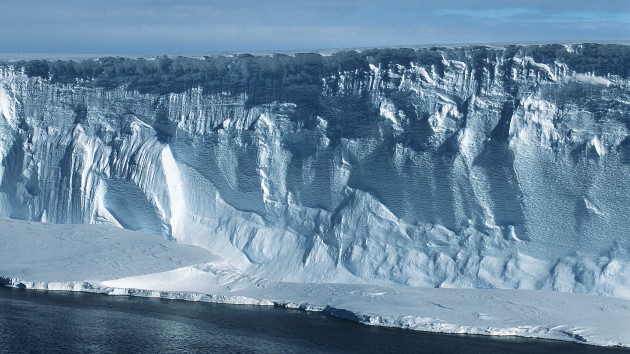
(473, 166)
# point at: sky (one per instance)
(155, 27)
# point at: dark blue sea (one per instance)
(65, 322)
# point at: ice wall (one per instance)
(453, 167)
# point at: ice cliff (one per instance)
(504, 167)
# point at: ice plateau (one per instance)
(465, 167)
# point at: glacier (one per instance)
(453, 167)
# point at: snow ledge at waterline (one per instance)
(103, 259)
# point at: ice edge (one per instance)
(434, 325)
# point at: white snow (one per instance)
(388, 110)
(424, 74)
(7, 110)
(587, 79)
(109, 260)
(174, 188)
(60, 253)
(543, 67)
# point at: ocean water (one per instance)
(65, 322)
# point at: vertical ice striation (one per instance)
(471, 167)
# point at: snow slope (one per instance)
(112, 261)
(59, 253)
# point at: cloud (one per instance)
(494, 13)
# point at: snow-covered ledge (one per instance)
(112, 261)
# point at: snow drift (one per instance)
(436, 167)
